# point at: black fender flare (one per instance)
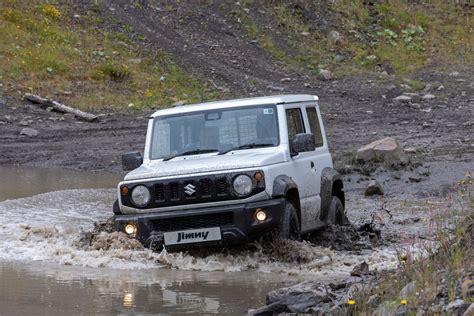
(328, 177)
(281, 185)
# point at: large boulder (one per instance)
(294, 299)
(382, 149)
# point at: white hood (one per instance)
(207, 163)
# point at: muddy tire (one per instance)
(289, 227)
(336, 214)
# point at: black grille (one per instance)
(205, 187)
(192, 222)
(192, 190)
(174, 191)
(221, 186)
(159, 192)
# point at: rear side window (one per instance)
(294, 120)
(314, 125)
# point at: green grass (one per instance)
(47, 51)
(404, 36)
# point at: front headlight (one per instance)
(141, 195)
(242, 184)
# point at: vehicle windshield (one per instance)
(214, 130)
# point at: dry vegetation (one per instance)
(50, 50)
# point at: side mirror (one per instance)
(131, 160)
(302, 143)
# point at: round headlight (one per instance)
(140, 195)
(242, 184)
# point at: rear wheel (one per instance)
(289, 224)
(336, 214)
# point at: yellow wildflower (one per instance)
(403, 302)
(52, 11)
(351, 302)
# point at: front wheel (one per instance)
(336, 214)
(116, 208)
(289, 227)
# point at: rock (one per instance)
(304, 33)
(335, 36)
(454, 74)
(306, 85)
(469, 311)
(324, 75)
(410, 150)
(373, 188)
(401, 310)
(286, 79)
(428, 96)
(467, 289)
(2, 102)
(361, 269)
(9, 118)
(402, 99)
(386, 148)
(414, 178)
(441, 87)
(415, 97)
(24, 123)
(371, 57)
(408, 291)
(295, 299)
(456, 307)
(29, 132)
(339, 58)
(275, 88)
(135, 61)
(179, 103)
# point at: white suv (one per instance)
(227, 172)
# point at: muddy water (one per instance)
(45, 270)
(46, 267)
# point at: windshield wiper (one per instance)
(190, 152)
(246, 146)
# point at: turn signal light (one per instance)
(260, 215)
(258, 176)
(124, 190)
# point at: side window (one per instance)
(314, 124)
(294, 120)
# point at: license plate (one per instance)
(192, 235)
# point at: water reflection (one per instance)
(17, 182)
(29, 289)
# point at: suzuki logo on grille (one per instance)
(190, 189)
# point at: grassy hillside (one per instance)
(397, 36)
(69, 51)
(54, 50)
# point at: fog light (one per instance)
(131, 229)
(261, 215)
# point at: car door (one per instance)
(320, 157)
(303, 169)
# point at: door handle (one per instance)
(312, 164)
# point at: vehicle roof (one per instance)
(277, 99)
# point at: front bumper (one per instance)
(237, 222)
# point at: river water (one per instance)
(46, 267)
